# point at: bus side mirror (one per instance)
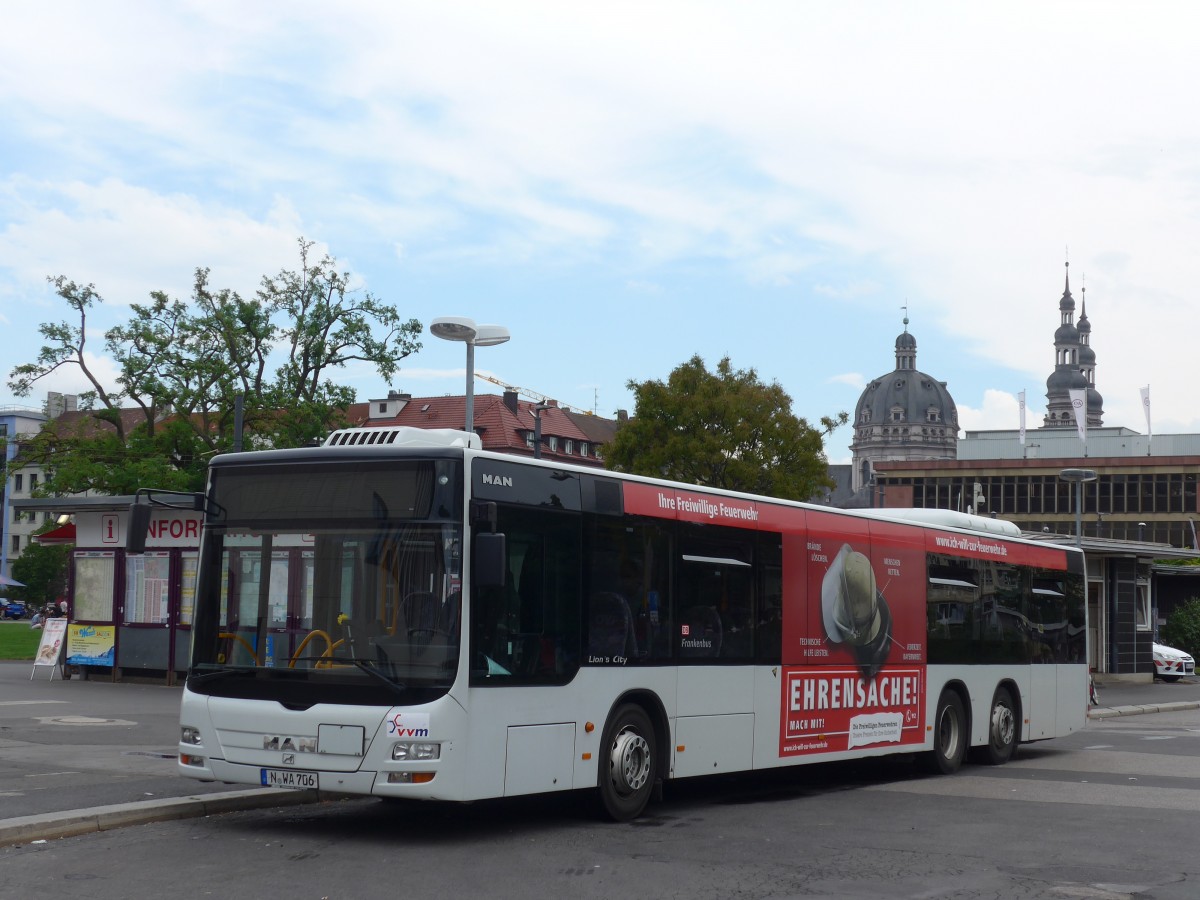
(139, 527)
(490, 567)
(483, 514)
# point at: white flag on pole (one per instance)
(1021, 405)
(1146, 405)
(1079, 405)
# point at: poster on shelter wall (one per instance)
(92, 645)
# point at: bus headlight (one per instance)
(410, 750)
(189, 735)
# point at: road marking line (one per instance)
(29, 702)
(47, 774)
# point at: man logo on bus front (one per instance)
(855, 612)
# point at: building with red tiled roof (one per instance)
(505, 424)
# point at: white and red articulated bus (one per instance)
(400, 614)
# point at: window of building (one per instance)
(529, 439)
(18, 482)
(569, 448)
(33, 481)
(1142, 612)
(16, 543)
(583, 448)
(553, 441)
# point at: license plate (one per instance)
(288, 778)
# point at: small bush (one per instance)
(1182, 630)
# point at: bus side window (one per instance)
(528, 631)
(627, 582)
(716, 593)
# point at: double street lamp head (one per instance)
(460, 328)
(1077, 475)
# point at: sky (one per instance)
(624, 185)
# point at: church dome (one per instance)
(1064, 379)
(1066, 334)
(907, 396)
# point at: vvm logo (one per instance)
(409, 725)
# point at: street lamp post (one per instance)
(460, 328)
(1078, 477)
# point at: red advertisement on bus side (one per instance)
(854, 625)
(828, 709)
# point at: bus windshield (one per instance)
(308, 601)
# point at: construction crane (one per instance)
(532, 395)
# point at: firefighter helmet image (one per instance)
(855, 612)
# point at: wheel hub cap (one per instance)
(630, 761)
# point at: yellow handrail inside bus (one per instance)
(329, 645)
(229, 635)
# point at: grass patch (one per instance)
(18, 640)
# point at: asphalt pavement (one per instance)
(80, 756)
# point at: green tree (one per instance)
(182, 366)
(42, 568)
(1182, 628)
(723, 429)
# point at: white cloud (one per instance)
(852, 379)
(130, 240)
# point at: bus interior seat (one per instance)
(610, 627)
(419, 613)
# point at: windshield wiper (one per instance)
(368, 666)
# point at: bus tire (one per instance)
(628, 763)
(949, 736)
(1003, 729)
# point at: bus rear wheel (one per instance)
(949, 736)
(1002, 730)
(628, 763)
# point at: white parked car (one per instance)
(1171, 664)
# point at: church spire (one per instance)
(1074, 363)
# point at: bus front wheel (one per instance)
(949, 736)
(1002, 730)
(628, 763)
